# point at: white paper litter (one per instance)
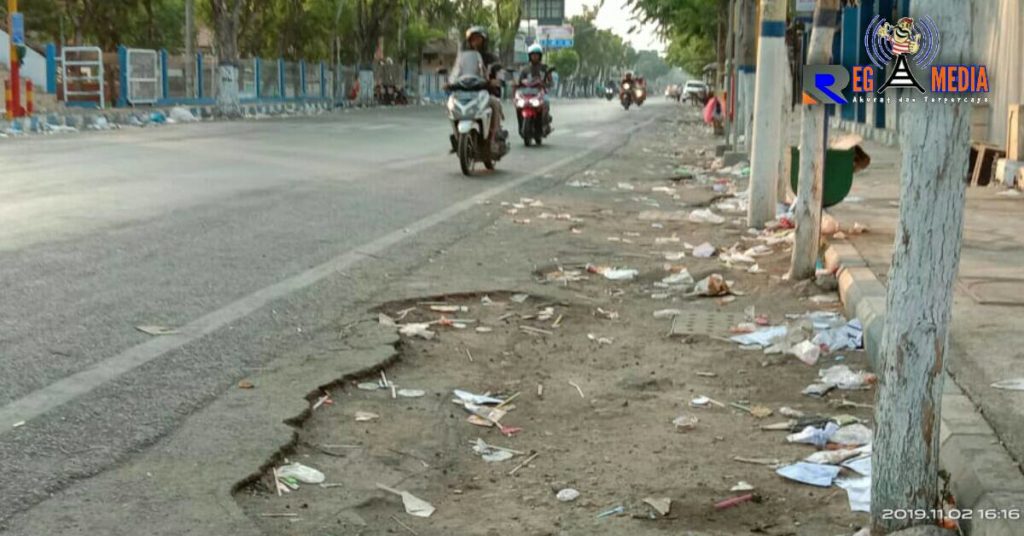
(1016, 384)
(806, 351)
(858, 491)
(471, 398)
(705, 215)
(810, 435)
(810, 473)
(763, 337)
(854, 434)
(704, 251)
(302, 473)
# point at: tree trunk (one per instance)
(812, 152)
(189, 47)
(765, 146)
(746, 51)
(226, 17)
(926, 256)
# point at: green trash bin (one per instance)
(838, 174)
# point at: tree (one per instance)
(650, 65)
(565, 61)
(812, 156)
(925, 260)
(226, 14)
(506, 17)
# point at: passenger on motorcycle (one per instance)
(476, 40)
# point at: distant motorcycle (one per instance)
(640, 95)
(626, 95)
(530, 97)
(470, 115)
(609, 93)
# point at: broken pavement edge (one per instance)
(983, 474)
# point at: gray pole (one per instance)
(189, 48)
(730, 97)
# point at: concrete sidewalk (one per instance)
(983, 454)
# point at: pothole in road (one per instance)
(596, 390)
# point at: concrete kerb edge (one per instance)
(983, 474)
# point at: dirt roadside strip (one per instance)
(984, 476)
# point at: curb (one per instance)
(983, 475)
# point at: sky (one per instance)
(617, 18)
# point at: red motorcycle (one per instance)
(530, 100)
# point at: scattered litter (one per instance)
(674, 256)
(18, 424)
(578, 389)
(704, 251)
(833, 457)
(810, 473)
(662, 215)
(302, 473)
(368, 386)
(846, 337)
(822, 299)
(366, 416)
(662, 505)
(492, 454)
(449, 308)
(625, 186)
(706, 374)
(685, 423)
(814, 436)
(666, 239)
(613, 274)
(386, 320)
(667, 313)
(535, 331)
(842, 377)
(705, 216)
(421, 330)
(612, 512)
(735, 501)
(524, 464)
(413, 504)
(610, 315)
(861, 465)
(1016, 384)
(567, 495)
(484, 329)
(763, 337)
(854, 434)
(182, 115)
(470, 398)
(411, 393)
(681, 278)
(858, 491)
(700, 402)
(787, 411)
(600, 340)
(742, 486)
(519, 298)
(157, 330)
(806, 351)
(326, 399)
(757, 461)
(818, 390)
(246, 384)
(712, 285)
(576, 183)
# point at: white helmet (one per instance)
(535, 49)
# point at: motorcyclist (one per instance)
(627, 79)
(537, 70)
(476, 40)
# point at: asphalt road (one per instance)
(207, 230)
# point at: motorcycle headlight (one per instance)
(534, 102)
(520, 103)
(626, 86)
(639, 93)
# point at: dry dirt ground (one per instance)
(613, 439)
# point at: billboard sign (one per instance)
(546, 12)
(551, 37)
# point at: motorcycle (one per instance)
(626, 95)
(640, 95)
(470, 114)
(609, 93)
(530, 97)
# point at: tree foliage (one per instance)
(690, 26)
(565, 61)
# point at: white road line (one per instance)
(63, 391)
(378, 126)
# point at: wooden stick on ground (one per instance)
(403, 525)
(469, 355)
(578, 389)
(526, 461)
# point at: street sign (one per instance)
(18, 28)
(556, 36)
(551, 12)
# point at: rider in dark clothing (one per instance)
(536, 69)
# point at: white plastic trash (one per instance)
(568, 495)
(806, 351)
(302, 473)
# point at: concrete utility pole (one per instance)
(812, 151)
(926, 257)
(782, 179)
(190, 24)
(746, 52)
(765, 150)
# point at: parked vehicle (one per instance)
(696, 92)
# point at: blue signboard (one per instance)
(18, 28)
(556, 43)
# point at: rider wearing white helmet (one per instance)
(536, 69)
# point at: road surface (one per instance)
(215, 231)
